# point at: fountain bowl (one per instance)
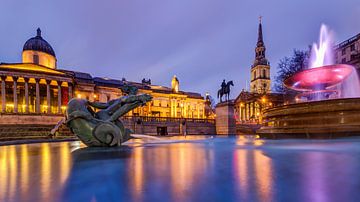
(319, 78)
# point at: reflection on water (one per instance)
(189, 169)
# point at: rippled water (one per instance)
(197, 168)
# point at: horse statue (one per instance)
(225, 90)
(103, 128)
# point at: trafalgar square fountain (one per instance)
(328, 103)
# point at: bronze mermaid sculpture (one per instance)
(102, 127)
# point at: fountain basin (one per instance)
(319, 78)
(318, 119)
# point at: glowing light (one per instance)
(321, 54)
(30, 67)
(78, 95)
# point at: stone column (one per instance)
(70, 91)
(48, 98)
(26, 95)
(3, 94)
(37, 86)
(15, 94)
(59, 96)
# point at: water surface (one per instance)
(197, 168)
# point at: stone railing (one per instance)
(167, 119)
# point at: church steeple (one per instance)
(260, 70)
(260, 41)
(260, 49)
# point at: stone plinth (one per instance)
(225, 120)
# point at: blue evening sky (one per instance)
(200, 41)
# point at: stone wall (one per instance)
(23, 119)
(150, 125)
(14, 126)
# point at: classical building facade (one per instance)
(260, 70)
(348, 52)
(38, 87)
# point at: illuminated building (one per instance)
(348, 52)
(36, 87)
(249, 105)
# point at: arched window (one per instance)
(264, 73)
(255, 74)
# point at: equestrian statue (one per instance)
(225, 90)
(101, 127)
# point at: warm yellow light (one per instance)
(78, 95)
(263, 99)
(241, 104)
(257, 114)
(30, 67)
(95, 96)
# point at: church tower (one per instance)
(260, 70)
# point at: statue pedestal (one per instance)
(225, 120)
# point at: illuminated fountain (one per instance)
(323, 79)
(328, 104)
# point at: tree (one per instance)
(288, 66)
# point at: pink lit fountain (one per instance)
(328, 105)
(323, 79)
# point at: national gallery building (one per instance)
(37, 87)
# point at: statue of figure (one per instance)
(225, 90)
(223, 85)
(103, 128)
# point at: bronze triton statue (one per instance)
(225, 90)
(103, 128)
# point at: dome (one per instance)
(37, 43)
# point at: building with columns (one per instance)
(37, 87)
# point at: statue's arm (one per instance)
(99, 105)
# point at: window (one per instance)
(352, 57)
(35, 59)
(343, 60)
(352, 47)
(264, 73)
(255, 74)
(343, 52)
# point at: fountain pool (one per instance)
(195, 168)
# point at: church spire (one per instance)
(260, 41)
(260, 49)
